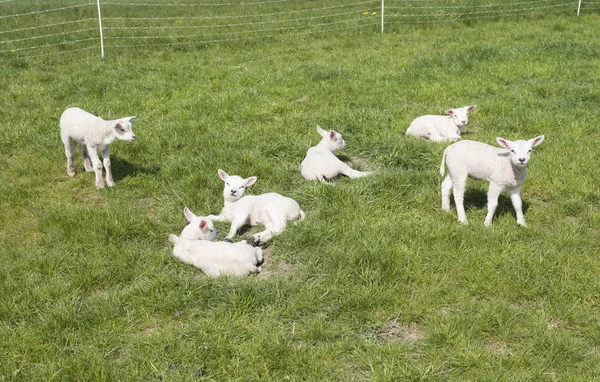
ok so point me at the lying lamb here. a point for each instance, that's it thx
(321, 164)
(194, 246)
(439, 128)
(502, 168)
(92, 133)
(271, 210)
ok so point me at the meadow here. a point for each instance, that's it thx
(378, 283)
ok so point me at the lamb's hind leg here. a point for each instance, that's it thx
(68, 142)
(351, 173)
(458, 188)
(273, 229)
(446, 189)
(87, 162)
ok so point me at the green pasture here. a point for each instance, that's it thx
(378, 283)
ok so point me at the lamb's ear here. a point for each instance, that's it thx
(321, 132)
(332, 134)
(189, 215)
(129, 119)
(536, 141)
(223, 175)
(202, 224)
(250, 181)
(450, 111)
(504, 143)
(469, 108)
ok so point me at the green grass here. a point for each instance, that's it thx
(377, 283)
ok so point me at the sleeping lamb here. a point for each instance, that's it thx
(194, 246)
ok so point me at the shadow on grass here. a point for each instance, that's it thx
(477, 199)
(122, 169)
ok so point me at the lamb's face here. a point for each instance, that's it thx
(331, 139)
(235, 186)
(198, 228)
(460, 115)
(520, 151)
(123, 129)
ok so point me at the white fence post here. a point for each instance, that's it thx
(578, 7)
(100, 26)
(382, 10)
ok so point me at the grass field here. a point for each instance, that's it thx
(378, 283)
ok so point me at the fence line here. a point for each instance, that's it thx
(37, 28)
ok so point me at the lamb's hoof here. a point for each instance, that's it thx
(99, 186)
(464, 222)
(446, 208)
(524, 225)
(253, 241)
(110, 184)
(228, 239)
(71, 173)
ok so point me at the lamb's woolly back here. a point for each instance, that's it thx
(321, 164)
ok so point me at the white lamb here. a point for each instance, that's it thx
(502, 168)
(439, 128)
(194, 246)
(271, 210)
(321, 164)
(92, 134)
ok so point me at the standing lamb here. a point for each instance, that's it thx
(92, 134)
(439, 128)
(195, 246)
(321, 164)
(502, 168)
(271, 210)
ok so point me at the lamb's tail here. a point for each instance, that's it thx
(173, 238)
(443, 166)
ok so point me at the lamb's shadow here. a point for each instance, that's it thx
(122, 169)
(477, 199)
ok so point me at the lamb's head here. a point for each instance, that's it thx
(123, 130)
(198, 228)
(520, 151)
(235, 186)
(460, 115)
(332, 140)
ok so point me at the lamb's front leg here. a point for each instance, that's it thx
(106, 159)
(236, 224)
(217, 218)
(351, 173)
(493, 193)
(515, 197)
(97, 166)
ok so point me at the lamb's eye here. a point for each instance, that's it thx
(513, 151)
(227, 184)
(529, 151)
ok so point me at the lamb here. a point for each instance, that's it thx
(92, 133)
(271, 210)
(502, 168)
(439, 128)
(195, 246)
(321, 164)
